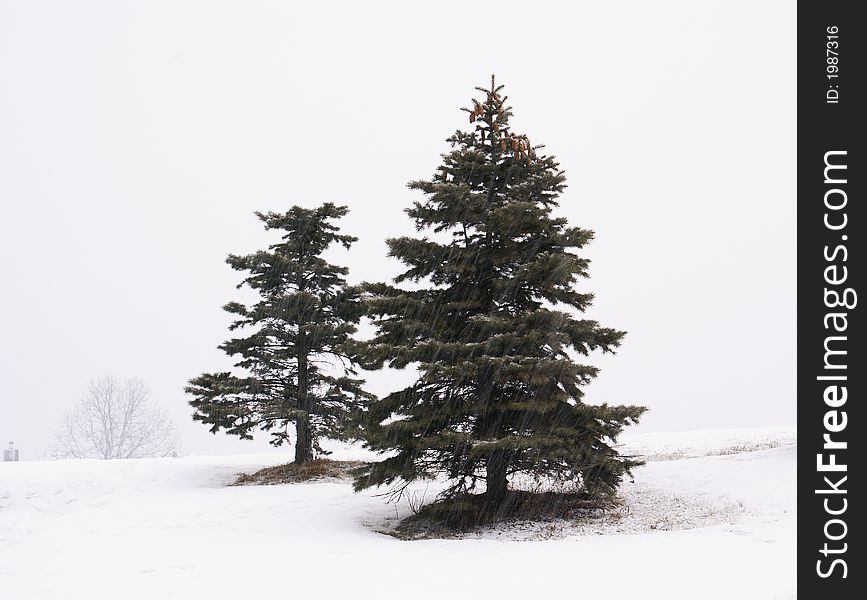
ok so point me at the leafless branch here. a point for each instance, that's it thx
(116, 420)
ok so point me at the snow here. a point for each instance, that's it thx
(719, 523)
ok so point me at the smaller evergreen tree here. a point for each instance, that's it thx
(297, 336)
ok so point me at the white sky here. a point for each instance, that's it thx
(137, 139)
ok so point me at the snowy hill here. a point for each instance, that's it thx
(712, 515)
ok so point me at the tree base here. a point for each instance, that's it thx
(296, 473)
(462, 513)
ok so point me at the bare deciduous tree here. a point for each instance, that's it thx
(116, 420)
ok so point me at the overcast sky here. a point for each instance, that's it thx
(137, 139)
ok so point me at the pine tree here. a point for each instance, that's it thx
(499, 388)
(300, 325)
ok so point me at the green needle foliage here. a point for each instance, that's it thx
(298, 334)
(490, 323)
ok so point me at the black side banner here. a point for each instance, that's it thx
(832, 374)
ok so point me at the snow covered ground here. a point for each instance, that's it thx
(712, 515)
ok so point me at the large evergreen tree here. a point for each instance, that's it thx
(296, 338)
(491, 324)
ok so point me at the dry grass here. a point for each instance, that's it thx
(294, 473)
(751, 446)
(741, 448)
(460, 514)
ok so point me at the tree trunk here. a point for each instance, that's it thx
(304, 441)
(495, 480)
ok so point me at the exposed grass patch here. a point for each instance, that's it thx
(294, 473)
(455, 516)
(741, 448)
